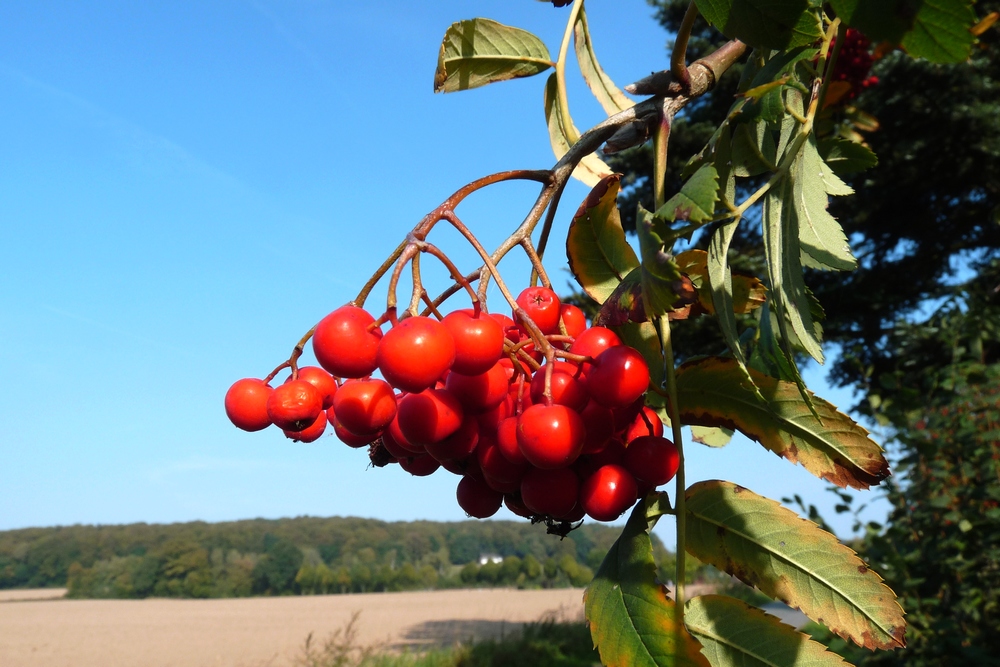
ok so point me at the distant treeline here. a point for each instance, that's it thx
(304, 555)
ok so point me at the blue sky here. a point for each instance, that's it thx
(185, 188)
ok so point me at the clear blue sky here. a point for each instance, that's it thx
(185, 188)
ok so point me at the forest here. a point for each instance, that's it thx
(303, 555)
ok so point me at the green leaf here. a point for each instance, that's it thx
(781, 245)
(767, 355)
(696, 200)
(793, 560)
(481, 51)
(643, 337)
(747, 292)
(660, 277)
(821, 237)
(721, 284)
(604, 89)
(937, 30)
(625, 304)
(713, 391)
(734, 634)
(711, 436)
(599, 256)
(772, 24)
(845, 156)
(754, 152)
(591, 168)
(630, 616)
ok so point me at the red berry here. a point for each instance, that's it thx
(365, 407)
(246, 404)
(542, 305)
(478, 341)
(345, 342)
(567, 389)
(573, 319)
(598, 422)
(550, 436)
(652, 459)
(294, 405)
(477, 499)
(593, 341)
(647, 422)
(507, 441)
(419, 465)
(514, 503)
(320, 379)
(415, 353)
(494, 465)
(459, 444)
(608, 492)
(479, 393)
(310, 433)
(430, 416)
(618, 377)
(551, 492)
(345, 436)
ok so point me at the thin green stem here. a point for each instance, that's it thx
(675, 425)
(660, 143)
(678, 58)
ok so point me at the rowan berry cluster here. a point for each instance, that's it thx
(553, 433)
(854, 64)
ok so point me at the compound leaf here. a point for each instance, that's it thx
(630, 616)
(715, 391)
(821, 237)
(599, 256)
(604, 89)
(734, 634)
(793, 560)
(481, 51)
(591, 168)
(772, 24)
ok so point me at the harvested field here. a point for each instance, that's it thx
(21, 594)
(254, 632)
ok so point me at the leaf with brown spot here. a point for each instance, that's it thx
(792, 560)
(714, 391)
(598, 254)
(630, 616)
(748, 293)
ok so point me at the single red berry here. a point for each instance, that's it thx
(320, 379)
(397, 433)
(494, 465)
(550, 492)
(508, 326)
(593, 341)
(573, 319)
(430, 416)
(567, 387)
(514, 503)
(310, 433)
(479, 393)
(507, 441)
(459, 444)
(365, 407)
(294, 405)
(415, 353)
(345, 342)
(420, 465)
(652, 459)
(345, 436)
(607, 493)
(246, 404)
(598, 422)
(574, 514)
(550, 436)
(477, 499)
(478, 341)
(542, 305)
(647, 422)
(618, 377)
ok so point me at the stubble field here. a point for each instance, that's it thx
(253, 632)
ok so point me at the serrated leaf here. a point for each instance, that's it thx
(793, 560)
(754, 152)
(713, 391)
(599, 256)
(767, 356)
(784, 264)
(481, 51)
(938, 30)
(773, 24)
(845, 156)
(820, 235)
(643, 337)
(660, 277)
(723, 159)
(711, 436)
(746, 292)
(591, 168)
(604, 89)
(630, 616)
(734, 634)
(696, 200)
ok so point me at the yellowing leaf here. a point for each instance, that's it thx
(480, 51)
(713, 391)
(598, 254)
(793, 560)
(591, 168)
(748, 292)
(604, 89)
(711, 436)
(630, 616)
(734, 634)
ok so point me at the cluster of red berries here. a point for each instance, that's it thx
(854, 64)
(552, 439)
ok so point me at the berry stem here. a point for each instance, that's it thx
(536, 263)
(293, 359)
